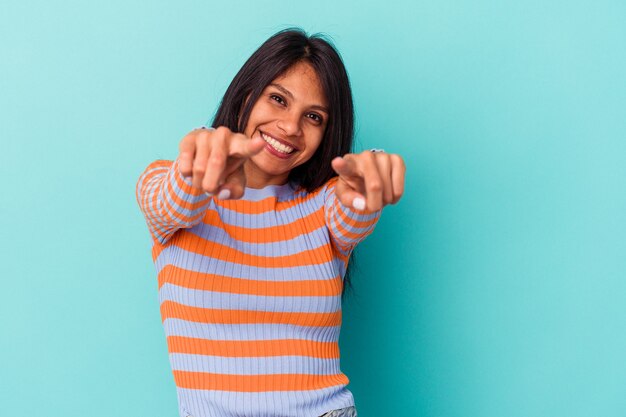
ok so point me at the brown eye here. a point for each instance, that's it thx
(277, 98)
(315, 117)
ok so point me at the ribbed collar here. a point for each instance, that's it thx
(281, 192)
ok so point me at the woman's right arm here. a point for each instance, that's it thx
(173, 195)
(168, 200)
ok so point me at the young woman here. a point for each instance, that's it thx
(252, 228)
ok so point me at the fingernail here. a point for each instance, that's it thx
(358, 203)
(224, 194)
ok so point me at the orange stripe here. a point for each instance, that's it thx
(160, 177)
(147, 205)
(221, 283)
(253, 348)
(157, 248)
(256, 383)
(345, 231)
(186, 189)
(190, 242)
(313, 221)
(173, 310)
(189, 189)
(343, 258)
(159, 163)
(354, 222)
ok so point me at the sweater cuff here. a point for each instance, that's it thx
(184, 184)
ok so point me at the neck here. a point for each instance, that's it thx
(258, 179)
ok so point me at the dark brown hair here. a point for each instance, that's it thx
(271, 60)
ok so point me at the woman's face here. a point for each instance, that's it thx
(290, 116)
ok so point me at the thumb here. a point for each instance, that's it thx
(348, 196)
(234, 185)
(255, 146)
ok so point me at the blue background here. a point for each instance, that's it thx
(496, 287)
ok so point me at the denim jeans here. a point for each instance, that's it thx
(342, 412)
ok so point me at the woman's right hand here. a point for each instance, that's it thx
(214, 158)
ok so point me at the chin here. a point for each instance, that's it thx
(269, 167)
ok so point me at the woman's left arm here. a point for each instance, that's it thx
(369, 180)
(354, 200)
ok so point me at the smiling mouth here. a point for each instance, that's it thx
(276, 145)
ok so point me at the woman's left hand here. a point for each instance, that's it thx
(369, 180)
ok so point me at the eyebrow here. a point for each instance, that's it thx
(288, 94)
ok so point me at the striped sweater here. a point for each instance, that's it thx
(250, 293)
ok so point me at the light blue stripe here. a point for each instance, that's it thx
(141, 183)
(254, 366)
(306, 241)
(281, 192)
(230, 301)
(186, 212)
(154, 219)
(345, 229)
(340, 229)
(353, 215)
(146, 173)
(161, 229)
(210, 403)
(273, 331)
(200, 263)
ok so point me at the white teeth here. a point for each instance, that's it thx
(276, 144)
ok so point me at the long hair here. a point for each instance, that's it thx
(271, 60)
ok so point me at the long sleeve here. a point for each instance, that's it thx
(168, 200)
(347, 225)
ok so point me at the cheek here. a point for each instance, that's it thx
(258, 115)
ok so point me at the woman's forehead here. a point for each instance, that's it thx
(301, 82)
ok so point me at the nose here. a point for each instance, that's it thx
(289, 123)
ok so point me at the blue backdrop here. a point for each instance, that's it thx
(496, 287)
